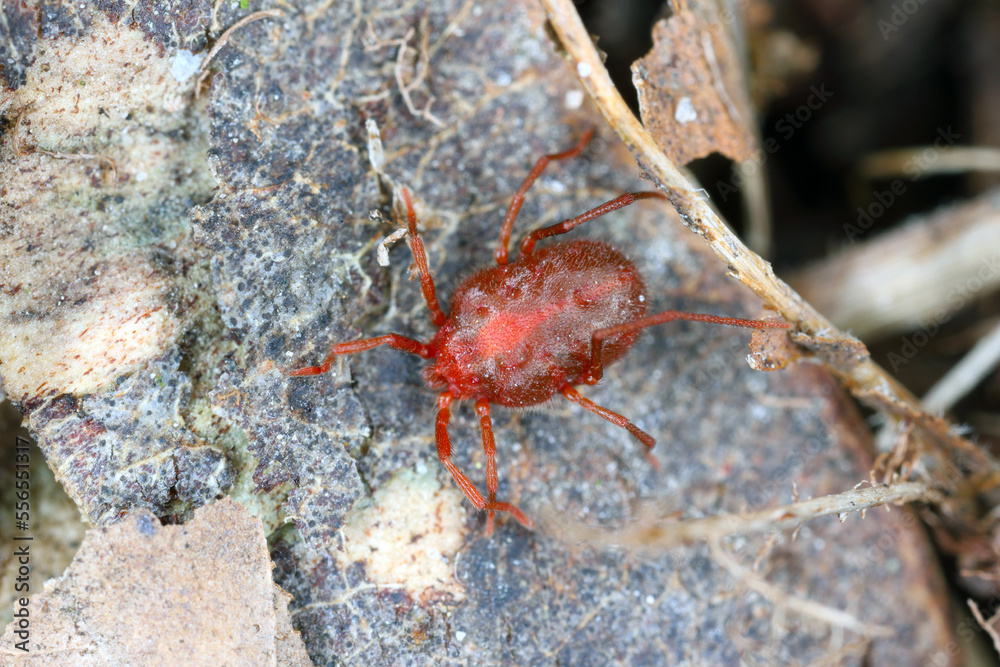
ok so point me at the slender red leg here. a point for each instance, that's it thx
(528, 244)
(392, 340)
(597, 338)
(515, 203)
(490, 449)
(572, 394)
(444, 453)
(420, 257)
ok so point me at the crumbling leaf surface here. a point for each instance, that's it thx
(101, 162)
(692, 89)
(140, 593)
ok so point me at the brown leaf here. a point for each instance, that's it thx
(692, 95)
(772, 349)
(142, 593)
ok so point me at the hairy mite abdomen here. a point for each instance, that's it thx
(519, 332)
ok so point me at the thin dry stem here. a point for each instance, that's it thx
(911, 162)
(781, 599)
(986, 625)
(256, 16)
(421, 67)
(915, 276)
(665, 535)
(863, 377)
(966, 374)
(111, 164)
(420, 64)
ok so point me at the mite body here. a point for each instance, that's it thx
(520, 332)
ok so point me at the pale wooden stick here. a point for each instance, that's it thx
(665, 535)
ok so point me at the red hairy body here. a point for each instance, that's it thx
(521, 332)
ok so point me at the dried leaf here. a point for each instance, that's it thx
(772, 349)
(692, 93)
(207, 583)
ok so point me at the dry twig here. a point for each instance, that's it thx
(256, 16)
(966, 374)
(420, 67)
(781, 599)
(665, 535)
(111, 164)
(947, 160)
(915, 276)
(986, 625)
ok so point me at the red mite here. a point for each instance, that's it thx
(520, 332)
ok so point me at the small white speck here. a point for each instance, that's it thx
(685, 112)
(574, 99)
(141, 176)
(184, 65)
(421, 468)
(555, 187)
(503, 79)
(460, 636)
(583, 69)
(650, 599)
(642, 298)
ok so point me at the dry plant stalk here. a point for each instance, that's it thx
(671, 534)
(865, 379)
(104, 160)
(924, 271)
(250, 18)
(782, 600)
(986, 624)
(966, 374)
(953, 160)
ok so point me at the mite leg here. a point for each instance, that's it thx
(515, 203)
(392, 340)
(490, 449)
(420, 258)
(444, 453)
(528, 244)
(596, 371)
(576, 397)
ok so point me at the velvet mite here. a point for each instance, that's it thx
(521, 331)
